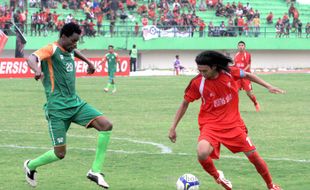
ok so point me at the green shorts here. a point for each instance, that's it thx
(59, 121)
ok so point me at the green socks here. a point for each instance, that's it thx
(49, 156)
(108, 85)
(102, 145)
(114, 86)
(45, 158)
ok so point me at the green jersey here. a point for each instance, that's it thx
(112, 59)
(59, 77)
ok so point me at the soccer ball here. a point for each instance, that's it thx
(187, 182)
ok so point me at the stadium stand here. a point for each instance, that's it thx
(131, 27)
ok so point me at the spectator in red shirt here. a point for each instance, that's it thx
(219, 119)
(142, 9)
(99, 22)
(137, 29)
(92, 28)
(193, 4)
(55, 17)
(202, 27)
(291, 10)
(151, 14)
(240, 24)
(269, 18)
(285, 18)
(131, 4)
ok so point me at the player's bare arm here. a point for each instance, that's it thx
(178, 116)
(103, 60)
(32, 62)
(263, 83)
(79, 55)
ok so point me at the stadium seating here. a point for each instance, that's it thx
(278, 7)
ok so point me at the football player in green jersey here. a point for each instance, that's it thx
(63, 105)
(112, 59)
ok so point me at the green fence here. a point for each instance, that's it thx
(191, 43)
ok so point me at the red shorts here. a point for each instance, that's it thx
(235, 139)
(244, 84)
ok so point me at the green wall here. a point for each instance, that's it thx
(174, 43)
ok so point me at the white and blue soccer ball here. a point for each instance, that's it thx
(188, 182)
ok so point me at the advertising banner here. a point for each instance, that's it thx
(18, 68)
(151, 31)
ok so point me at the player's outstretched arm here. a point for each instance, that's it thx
(79, 55)
(258, 80)
(103, 60)
(32, 62)
(178, 116)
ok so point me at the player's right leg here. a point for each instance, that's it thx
(31, 175)
(104, 128)
(57, 130)
(30, 166)
(203, 152)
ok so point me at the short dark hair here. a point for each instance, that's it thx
(241, 42)
(70, 28)
(111, 46)
(214, 58)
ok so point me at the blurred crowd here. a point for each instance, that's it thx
(240, 19)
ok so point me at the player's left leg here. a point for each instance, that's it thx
(254, 100)
(108, 86)
(112, 81)
(262, 169)
(113, 86)
(247, 86)
(91, 118)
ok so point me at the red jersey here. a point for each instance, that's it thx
(243, 59)
(219, 99)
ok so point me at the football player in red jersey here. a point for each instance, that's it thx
(242, 60)
(219, 118)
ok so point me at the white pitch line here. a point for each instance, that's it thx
(149, 153)
(164, 149)
(73, 148)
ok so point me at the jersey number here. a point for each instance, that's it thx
(69, 67)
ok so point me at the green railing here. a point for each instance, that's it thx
(124, 30)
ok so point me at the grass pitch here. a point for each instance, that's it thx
(138, 157)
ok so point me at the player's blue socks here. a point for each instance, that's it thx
(102, 145)
(45, 158)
